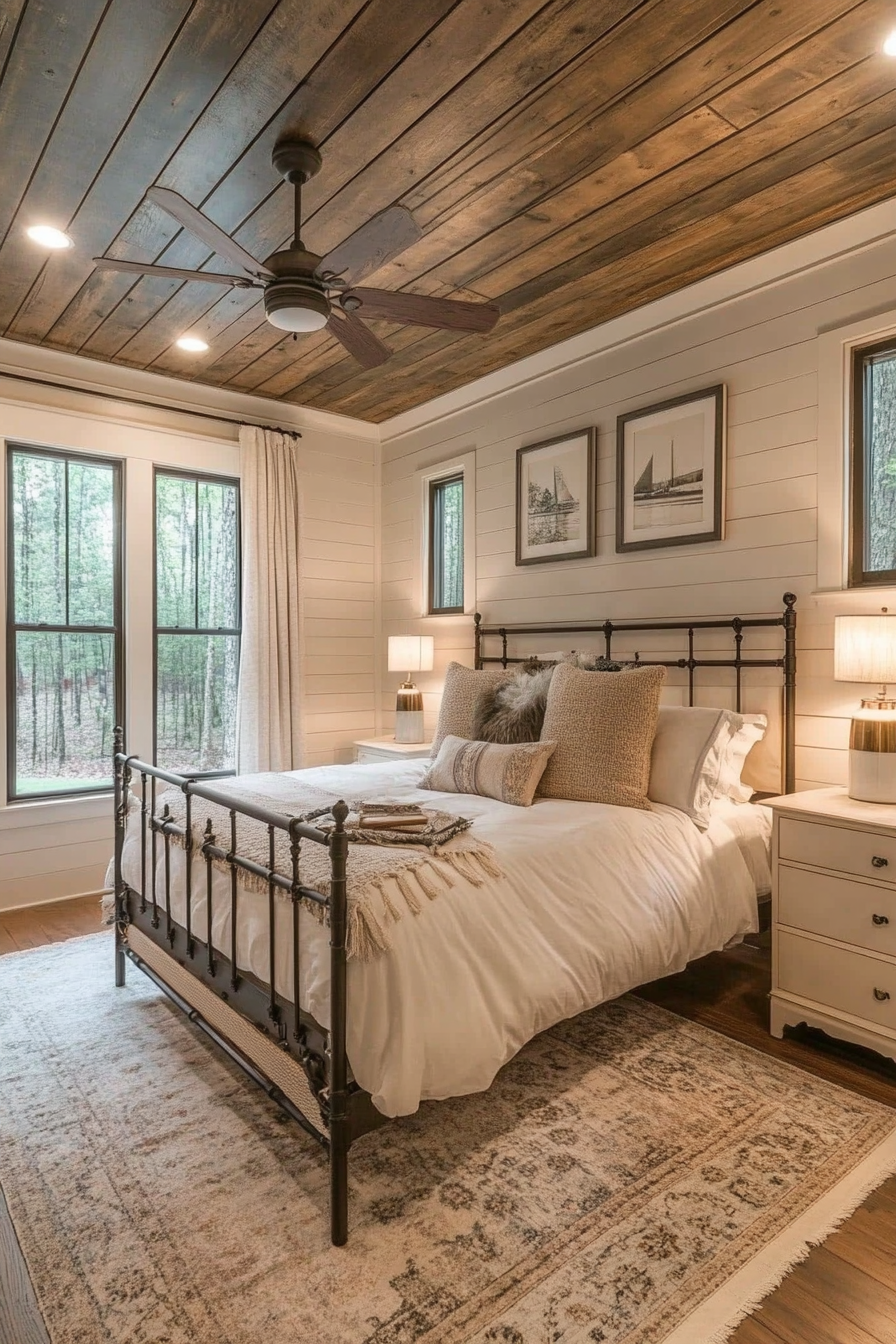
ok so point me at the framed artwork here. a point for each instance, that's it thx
(555, 499)
(670, 472)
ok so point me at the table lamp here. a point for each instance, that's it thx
(410, 653)
(865, 650)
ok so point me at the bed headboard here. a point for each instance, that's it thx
(690, 636)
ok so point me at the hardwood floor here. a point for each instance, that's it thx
(843, 1293)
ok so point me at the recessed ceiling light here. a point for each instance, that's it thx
(890, 44)
(195, 344)
(47, 236)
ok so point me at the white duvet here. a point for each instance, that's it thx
(594, 901)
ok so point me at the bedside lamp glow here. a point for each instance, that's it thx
(409, 653)
(865, 651)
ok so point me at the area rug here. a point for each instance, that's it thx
(630, 1178)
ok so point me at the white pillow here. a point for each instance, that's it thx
(698, 755)
(751, 730)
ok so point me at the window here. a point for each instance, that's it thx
(64, 641)
(446, 545)
(872, 548)
(197, 622)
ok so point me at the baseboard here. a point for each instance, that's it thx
(51, 900)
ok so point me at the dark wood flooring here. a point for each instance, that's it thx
(844, 1293)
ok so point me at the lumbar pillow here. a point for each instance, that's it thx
(513, 711)
(463, 687)
(508, 773)
(603, 724)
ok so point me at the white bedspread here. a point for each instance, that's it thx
(595, 900)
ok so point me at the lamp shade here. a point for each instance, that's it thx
(865, 648)
(410, 653)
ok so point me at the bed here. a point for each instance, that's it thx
(468, 980)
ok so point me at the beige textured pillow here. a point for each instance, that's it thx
(603, 724)
(508, 773)
(463, 687)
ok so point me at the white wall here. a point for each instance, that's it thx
(60, 848)
(757, 330)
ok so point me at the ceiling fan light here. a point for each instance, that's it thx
(890, 44)
(195, 344)
(47, 236)
(296, 305)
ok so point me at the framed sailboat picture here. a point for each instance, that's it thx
(670, 472)
(555, 499)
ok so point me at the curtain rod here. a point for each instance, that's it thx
(141, 401)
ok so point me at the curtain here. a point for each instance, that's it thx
(268, 703)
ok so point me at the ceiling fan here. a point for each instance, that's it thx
(304, 292)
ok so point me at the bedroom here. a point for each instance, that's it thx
(661, 200)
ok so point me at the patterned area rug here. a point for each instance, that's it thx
(630, 1178)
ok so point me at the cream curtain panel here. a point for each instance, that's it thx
(268, 706)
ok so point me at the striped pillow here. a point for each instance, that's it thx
(509, 773)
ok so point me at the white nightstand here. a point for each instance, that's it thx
(834, 917)
(387, 749)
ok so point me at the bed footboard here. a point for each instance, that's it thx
(301, 1065)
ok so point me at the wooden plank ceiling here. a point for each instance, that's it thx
(570, 160)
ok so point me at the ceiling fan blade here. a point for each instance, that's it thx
(421, 310)
(203, 228)
(375, 243)
(175, 273)
(358, 340)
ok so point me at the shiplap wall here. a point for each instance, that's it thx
(338, 549)
(55, 849)
(764, 346)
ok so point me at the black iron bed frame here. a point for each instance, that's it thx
(319, 1055)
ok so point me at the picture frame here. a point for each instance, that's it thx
(555, 499)
(670, 472)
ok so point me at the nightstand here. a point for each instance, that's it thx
(834, 917)
(387, 749)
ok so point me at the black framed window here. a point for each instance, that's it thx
(65, 656)
(446, 545)
(872, 542)
(197, 621)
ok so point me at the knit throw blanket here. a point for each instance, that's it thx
(389, 872)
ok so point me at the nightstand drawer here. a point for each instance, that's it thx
(846, 981)
(835, 907)
(859, 853)
(365, 755)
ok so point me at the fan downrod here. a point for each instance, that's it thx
(296, 160)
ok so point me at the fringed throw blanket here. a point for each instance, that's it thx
(388, 871)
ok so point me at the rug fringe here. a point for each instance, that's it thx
(795, 1242)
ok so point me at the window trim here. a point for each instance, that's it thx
(857, 575)
(434, 484)
(199, 478)
(119, 680)
(460, 464)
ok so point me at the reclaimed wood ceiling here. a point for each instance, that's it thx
(570, 160)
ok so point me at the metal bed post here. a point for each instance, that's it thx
(339, 1132)
(789, 622)
(120, 774)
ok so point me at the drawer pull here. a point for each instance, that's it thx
(881, 995)
(878, 862)
(879, 919)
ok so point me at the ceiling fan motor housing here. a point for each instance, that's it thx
(296, 300)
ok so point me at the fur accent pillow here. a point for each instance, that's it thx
(489, 769)
(514, 711)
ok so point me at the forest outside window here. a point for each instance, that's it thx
(197, 622)
(446, 545)
(65, 672)
(872, 548)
